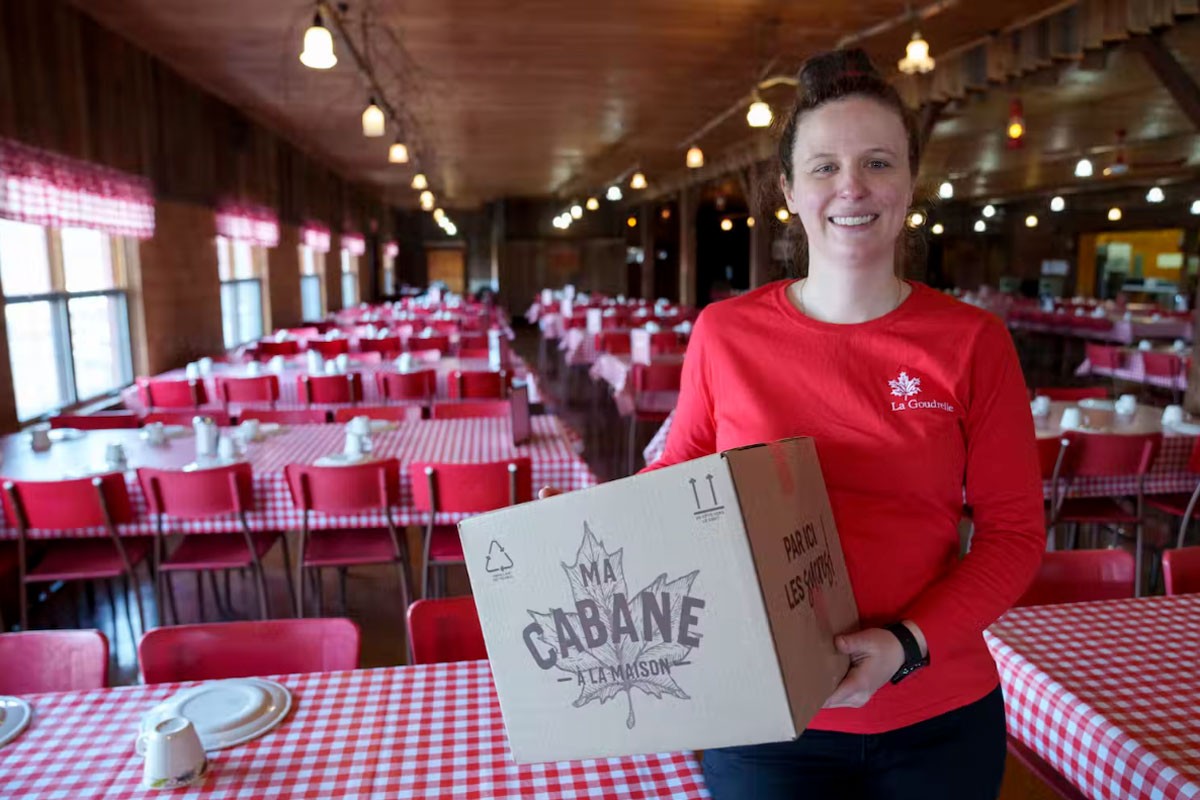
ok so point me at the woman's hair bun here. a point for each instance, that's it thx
(830, 75)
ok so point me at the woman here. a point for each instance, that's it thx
(916, 403)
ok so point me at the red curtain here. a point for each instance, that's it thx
(248, 223)
(316, 236)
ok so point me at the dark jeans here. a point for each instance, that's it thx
(958, 756)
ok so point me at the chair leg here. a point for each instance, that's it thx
(1137, 561)
(300, 576)
(131, 586)
(264, 611)
(24, 602)
(171, 598)
(319, 591)
(112, 604)
(342, 591)
(287, 569)
(200, 595)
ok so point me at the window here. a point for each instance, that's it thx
(66, 314)
(388, 266)
(241, 266)
(349, 279)
(312, 289)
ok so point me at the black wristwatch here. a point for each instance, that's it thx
(913, 660)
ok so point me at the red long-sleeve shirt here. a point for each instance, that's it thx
(912, 413)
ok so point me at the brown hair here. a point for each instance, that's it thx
(837, 75)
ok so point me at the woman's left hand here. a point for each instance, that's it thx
(875, 656)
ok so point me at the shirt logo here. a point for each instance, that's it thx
(906, 388)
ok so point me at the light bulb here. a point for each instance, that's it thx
(1114, 214)
(1083, 169)
(695, 157)
(989, 211)
(426, 200)
(631, 222)
(1057, 203)
(749, 222)
(665, 213)
(1155, 195)
(419, 182)
(1195, 207)
(916, 56)
(938, 229)
(638, 181)
(980, 226)
(439, 215)
(614, 193)
(916, 219)
(782, 215)
(592, 204)
(727, 224)
(373, 121)
(577, 211)
(946, 190)
(1015, 130)
(398, 153)
(1031, 221)
(318, 46)
(759, 114)
(451, 229)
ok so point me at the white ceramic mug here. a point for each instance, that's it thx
(173, 753)
(1040, 406)
(343, 362)
(114, 455)
(1145, 344)
(1126, 404)
(354, 445)
(39, 437)
(250, 431)
(226, 448)
(1072, 418)
(206, 366)
(253, 369)
(155, 433)
(1172, 414)
(360, 425)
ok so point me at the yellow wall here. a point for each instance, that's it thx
(1148, 245)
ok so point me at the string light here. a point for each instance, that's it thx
(631, 222)
(916, 56)
(419, 182)
(695, 157)
(916, 219)
(1195, 207)
(1057, 204)
(577, 211)
(318, 45)
(592, 204)
(980, 226)
(749, 222)
(373, 121)
(989, 211)
(398, 153)
(1155, 195)
(427, 200)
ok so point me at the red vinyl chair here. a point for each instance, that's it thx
(439, 342)
(325, 389)
(650, 381)
(468, 409)
(1071, 394)
(420, 385)
(173, 393)
(1181, 570)
(97, 421)
(221, 492)
(1181, 504)
(370, 488)
(462, 489)
(246, 649)
(221, 418)
(445, 630)
(615, 343)
(269, 348)
(399, 413)
(53, 661)
(296, 416)
(99, 502)
(387, 346)
(1167, 367)
(1100, 455)
(474, 352)
(330, 348)
(255, 389)
(472, 341)
(1076, 576)
(664, 342)
(478, 385)
(1104, 356)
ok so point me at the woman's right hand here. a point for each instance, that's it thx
(548, 491)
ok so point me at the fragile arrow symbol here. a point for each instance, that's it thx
(692, 481)
(711, 489)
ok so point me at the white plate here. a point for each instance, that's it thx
(66, 434)
(1096, 403)
(340, 460)
(15, 714)
(269, 427)
(1186, 428)
(209, 463)
(381, 425)
(228, 712)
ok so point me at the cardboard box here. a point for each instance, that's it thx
(690, 607)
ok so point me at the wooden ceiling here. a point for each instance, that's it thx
(533, 97)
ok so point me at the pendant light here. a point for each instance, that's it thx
(419, 183)
(1083, 169)
(614, 193)
(638, 181)
(695, 157)
(426, 200)
(946, 190)
(318, 45)
(759, 114)
(398, 153)
(577, 211)
(592, 204)
(1057, 204)
(373, 121)
(916, 56)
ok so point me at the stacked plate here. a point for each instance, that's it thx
(15, 714)
(226, 713)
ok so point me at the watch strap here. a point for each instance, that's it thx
(913, 660)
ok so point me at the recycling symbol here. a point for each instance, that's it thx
(497, 559)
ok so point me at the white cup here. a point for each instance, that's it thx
(1126, 404)
(253, 368)
(173, 753)
(1172, 414)
(1145, 344)
(1072, 418)
(39, 437)
(331, 368)
(205, 365)
(277, 363)
(155, 433)
(354, 445)
(1040, 406)
(114, 456)
(1179, 345)
(192, 371)
(404, 362)
(343, 362)
(250, 430)
(226, 449)
(360, 425)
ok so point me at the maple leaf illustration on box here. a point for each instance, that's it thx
(624, 642)
(905, 386)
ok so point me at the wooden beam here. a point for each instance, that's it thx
(930, 113)
(687, 245)
(648, 251)
(1175, 79)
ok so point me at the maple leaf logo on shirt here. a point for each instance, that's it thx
(615, 642)
(905, 386)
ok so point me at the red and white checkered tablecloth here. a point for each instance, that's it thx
(578, 346)
(551, 325)
(430, 731)
(1133, 372)
(658, 444)
(554, 450)
(1107, 693)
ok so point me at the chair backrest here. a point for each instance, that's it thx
(1104, 356)
(664, 342)
(463, 409)
(241, 649)
(474, 352)
(390, 413)
(96, 421)
(269, 348)
(254, 389)
(657, 377)
(445, 630)
(371, 486)
(419, 385)
(68, 504)
(387, 345)
(330, 388)
(1076, 576)
(471, 488)
(478, 385)
(221, 418)
(1162, 365)
(1181, 570)
(613, 342)
(439, 342)
(201, 493)
(53, 661)
(291, 416)
(1108, 454)
(1048, 453)
(330, 348)
(175, 393)
(472, 341)
(1071, 394)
